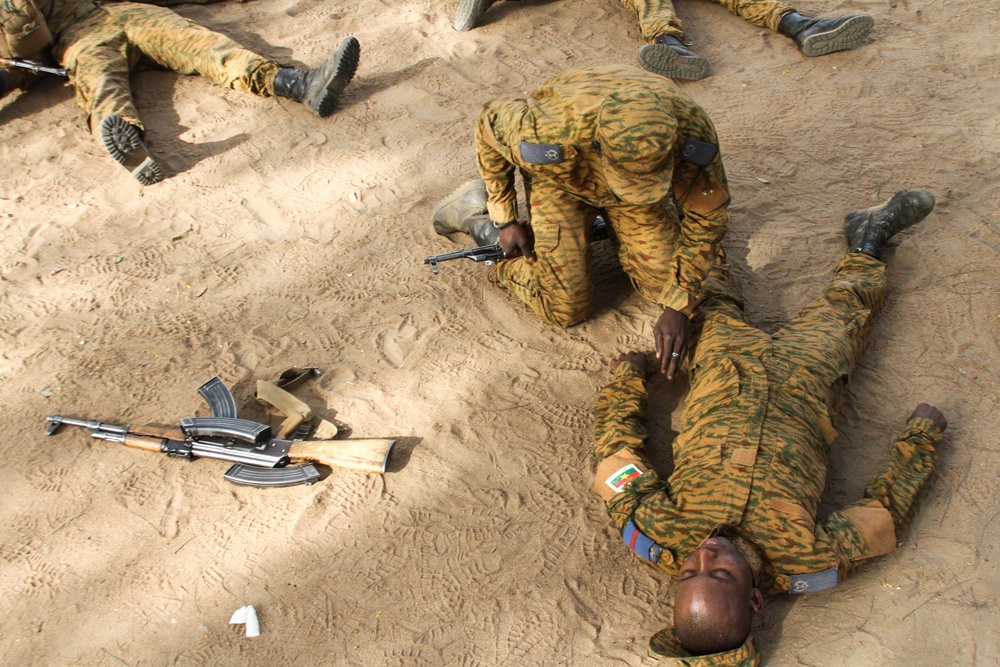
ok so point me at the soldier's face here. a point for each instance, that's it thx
(715, 583)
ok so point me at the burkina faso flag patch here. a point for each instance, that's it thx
(622, 476)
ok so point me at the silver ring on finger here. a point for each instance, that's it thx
(675, 354)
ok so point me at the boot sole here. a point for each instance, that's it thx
(451, 198)
(123, 142)
(663, 60)
(845, 36)
(911, 206)
(469, 12)
(346, 58)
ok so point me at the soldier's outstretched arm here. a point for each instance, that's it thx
(911, 463)
(621, 407)
(872, 526)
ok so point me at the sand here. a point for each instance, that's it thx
(285, 240)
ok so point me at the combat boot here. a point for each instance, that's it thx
(868, 229)
(668, 57)
(320, 87)
(818, 37)
(464, 210)
(469, 12)
(123, 141)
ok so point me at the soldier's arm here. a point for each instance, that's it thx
(703, 195)
(872, 526)
(496, 170)
(621, 408)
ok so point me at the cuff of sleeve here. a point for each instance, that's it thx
(677, 299)
(502, 213)
(627, 369)
(926, 426)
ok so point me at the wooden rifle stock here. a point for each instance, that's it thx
(368, 455)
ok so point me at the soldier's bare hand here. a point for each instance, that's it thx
(638, 359)
(517, 239)
(671, 335)
(932, 413)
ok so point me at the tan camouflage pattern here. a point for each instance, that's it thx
(101, 43)
(657, 17)
(664, 643)
(751, 458)
(665, 259)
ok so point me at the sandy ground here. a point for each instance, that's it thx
(287, 240)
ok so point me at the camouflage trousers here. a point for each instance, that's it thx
(825, 340)
(657, 17)
(559, 286)
(102, 48)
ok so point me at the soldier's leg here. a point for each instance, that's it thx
(179, 44)
(815, 37)
(648, 236)
(99, 60)
(761, 13)
(665, 53)
(656, 17)
(829, 335)
(558, 286)
(96, 53)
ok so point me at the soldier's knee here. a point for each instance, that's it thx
(565, 315)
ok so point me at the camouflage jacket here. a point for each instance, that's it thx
(564, 111)
(748, 462)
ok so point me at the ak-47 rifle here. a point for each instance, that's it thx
(34, 67)
(259, 458)
(488, 254)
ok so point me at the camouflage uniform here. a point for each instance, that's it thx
(666, 259)
(657, 17)
(101, 42)
(751, 458)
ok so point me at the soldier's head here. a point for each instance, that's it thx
(635, 135)
(715, 599)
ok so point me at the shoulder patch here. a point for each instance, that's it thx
(697, 152)
(814, 581)
(541, 153)
(642, 545)
(622, 476)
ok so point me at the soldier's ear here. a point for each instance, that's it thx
(756, 600)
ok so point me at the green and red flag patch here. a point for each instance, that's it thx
(623, 476)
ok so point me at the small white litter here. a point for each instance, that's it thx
(247, 615)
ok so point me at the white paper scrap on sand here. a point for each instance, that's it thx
(247, 615)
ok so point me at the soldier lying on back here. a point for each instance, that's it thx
(736, 520)
(665, 53)
(612, 140)
(100, 43)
